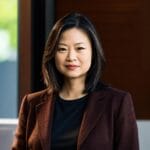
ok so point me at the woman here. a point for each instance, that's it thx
(76, 111)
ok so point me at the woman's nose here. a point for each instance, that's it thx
(71, 56)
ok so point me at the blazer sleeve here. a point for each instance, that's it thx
(126, 131)
(19, 141)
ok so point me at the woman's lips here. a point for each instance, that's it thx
(72, 67)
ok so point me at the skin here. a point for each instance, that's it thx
(73, 60)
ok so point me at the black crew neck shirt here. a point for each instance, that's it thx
(66, 123)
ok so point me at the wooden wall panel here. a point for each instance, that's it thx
(25, 46)
(31, 45)
(125, 32)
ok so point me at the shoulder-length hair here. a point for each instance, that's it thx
(52, 78)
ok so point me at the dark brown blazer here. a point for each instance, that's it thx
(108, 123)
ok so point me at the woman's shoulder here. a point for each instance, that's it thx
(111, 90)
(115, 96)
(116, 91)
(38, 96)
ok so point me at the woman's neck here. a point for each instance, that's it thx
(72, 89)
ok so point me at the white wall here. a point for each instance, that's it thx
(144, 134)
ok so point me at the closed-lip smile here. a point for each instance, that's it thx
(71, 66)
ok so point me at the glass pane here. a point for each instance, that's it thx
(8, 58)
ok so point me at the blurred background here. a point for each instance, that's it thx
(123, 27)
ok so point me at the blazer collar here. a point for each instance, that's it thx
(44, 114)
(93, 112)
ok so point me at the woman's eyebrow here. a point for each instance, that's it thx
(79, 43)
(62, 44)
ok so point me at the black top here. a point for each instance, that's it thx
(66, 123)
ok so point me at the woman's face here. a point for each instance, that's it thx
(74, 54)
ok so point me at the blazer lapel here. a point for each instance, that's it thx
(44, 113)
(92, 114)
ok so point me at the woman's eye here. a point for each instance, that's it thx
(80, 48)
(62, 49)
